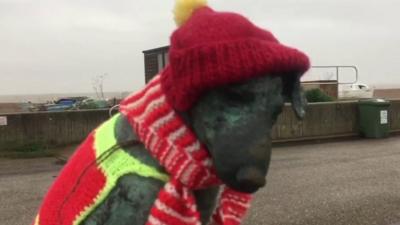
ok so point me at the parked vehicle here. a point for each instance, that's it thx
(93, 104)
(356, 91)
(63, 104)
(75, 103)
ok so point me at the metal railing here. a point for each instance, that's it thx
(110, 111)
(337, 69)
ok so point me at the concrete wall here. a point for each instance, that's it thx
(48, 129)
(326, 120)
(323, 120)
(395, 115)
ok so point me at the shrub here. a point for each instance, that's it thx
(317, 95)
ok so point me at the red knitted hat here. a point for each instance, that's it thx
(212, 49)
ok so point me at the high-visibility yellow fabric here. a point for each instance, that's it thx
(118, 164)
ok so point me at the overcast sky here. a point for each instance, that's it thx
(53, 46)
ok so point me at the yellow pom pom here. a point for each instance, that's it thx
(185, 8)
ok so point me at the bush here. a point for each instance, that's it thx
(317, 95)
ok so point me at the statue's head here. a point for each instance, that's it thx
(230, 79)
(235, 123)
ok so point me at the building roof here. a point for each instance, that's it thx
(154, 50)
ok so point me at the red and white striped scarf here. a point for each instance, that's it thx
(187, 161)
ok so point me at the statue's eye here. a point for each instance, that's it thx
(239, 96)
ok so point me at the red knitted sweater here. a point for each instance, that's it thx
(89, 176)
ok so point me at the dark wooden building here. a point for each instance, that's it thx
(154, 61)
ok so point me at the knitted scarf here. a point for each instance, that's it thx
(187, 161)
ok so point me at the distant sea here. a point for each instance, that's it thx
(43, 98)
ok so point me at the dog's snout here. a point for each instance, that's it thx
(251, 177)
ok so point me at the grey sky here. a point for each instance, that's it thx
(52, 46)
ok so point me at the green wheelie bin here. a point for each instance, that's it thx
(374, 118)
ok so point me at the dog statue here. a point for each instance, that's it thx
(195, 143)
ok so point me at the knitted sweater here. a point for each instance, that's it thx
(89, 177)
(95, 168)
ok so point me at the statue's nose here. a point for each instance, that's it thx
(251, 176)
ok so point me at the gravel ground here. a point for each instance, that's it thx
(340, 183)
(344, 183)
(23, 183)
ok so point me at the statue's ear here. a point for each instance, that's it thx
(293, 92)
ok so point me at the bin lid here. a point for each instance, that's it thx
(377, 102)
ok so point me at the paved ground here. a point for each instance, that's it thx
(22, 186)
(341, 183)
